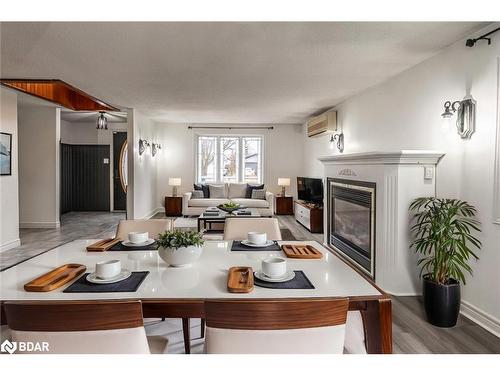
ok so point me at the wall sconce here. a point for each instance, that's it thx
(102, 121)
(339, 138)
(466, 115)
(142, 146)
(154, 148)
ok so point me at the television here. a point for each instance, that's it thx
(310, 189)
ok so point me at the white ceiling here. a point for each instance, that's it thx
(223, 72)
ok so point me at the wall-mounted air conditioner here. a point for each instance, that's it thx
(324, 123)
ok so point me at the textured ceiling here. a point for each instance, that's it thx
(222, 72)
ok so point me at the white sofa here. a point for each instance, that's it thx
(195, 207)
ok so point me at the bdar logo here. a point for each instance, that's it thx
(8, 347)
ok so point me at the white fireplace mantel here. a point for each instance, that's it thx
(400, 177)
(377, 157)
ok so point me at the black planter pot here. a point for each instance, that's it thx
(442, 302)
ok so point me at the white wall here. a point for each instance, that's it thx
(404, 113)
(141, 190)
(9, 190)
(282, 154)
(39, 166)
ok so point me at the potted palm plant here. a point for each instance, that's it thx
(443, 231)
(180, 248)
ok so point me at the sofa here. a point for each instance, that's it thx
(232, 192)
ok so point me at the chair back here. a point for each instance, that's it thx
(79, 327)
(276, 327)
(237, 228)
(153, 226)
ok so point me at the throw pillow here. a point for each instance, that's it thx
(258, 194)
(237, 190)
(217, 191)
(204, 188)
(251, 187)
(197, 194)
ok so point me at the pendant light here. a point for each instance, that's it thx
(102, 121)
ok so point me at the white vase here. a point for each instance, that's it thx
(180, 257)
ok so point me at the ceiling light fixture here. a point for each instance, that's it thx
(472, 42)
(102, 121)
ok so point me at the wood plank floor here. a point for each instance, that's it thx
(411, 332)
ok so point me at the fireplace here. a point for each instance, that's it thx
(351, 221)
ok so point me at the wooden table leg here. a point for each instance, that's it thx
(202, 327)
(187, 339)
(378, 326)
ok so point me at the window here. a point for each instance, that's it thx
(229, 159)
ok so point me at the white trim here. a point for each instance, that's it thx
(376, 157)
(153, 213)
(481, 318)
(10, 245)
(496, 180)
(40, 225)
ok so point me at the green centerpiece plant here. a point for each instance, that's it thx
(180, 248)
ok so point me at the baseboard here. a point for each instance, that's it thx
(153, 213)
(39, 225)
(10, 245)
(480, 317)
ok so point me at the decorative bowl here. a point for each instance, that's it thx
(180, 257)
(229, 209)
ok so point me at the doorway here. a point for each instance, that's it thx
(85, 173)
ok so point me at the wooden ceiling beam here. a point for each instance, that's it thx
(59, 92)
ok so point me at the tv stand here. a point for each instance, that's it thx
(309, 215)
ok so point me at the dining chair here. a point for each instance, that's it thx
(355, 342)
(80, 327)
(276, 326)
(153, 226)
(237, 228)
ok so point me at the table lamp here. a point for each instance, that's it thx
(283, 182)
(174, 181)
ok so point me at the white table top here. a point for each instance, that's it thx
(204, 279)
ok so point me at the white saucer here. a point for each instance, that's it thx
(251, 244)
(92, 278)
(145, 243)
(287, 277)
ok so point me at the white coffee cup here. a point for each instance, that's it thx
(108, 269)
(257, 238)
(274, 267)
(138, 237)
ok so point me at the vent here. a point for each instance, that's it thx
(324, 123)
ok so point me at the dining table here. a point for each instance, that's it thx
(180, 292)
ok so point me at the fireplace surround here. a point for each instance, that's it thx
(396, 178)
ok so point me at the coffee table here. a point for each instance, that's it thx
(221, 217)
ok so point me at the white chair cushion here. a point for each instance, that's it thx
(237, 190)
(320, 340)
(114, 341)
(354, 334)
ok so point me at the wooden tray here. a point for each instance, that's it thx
(103, 245)
(55, 278)
(301, 252)
(240, 280)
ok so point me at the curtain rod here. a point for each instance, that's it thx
(232, 127)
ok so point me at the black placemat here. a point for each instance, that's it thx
(120, 247)
(238, 246)
(300, 281)
(128, 285)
